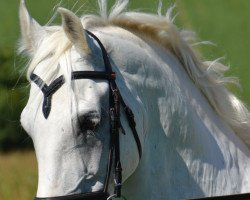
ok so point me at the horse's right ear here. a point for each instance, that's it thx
(73, 28)
(30, 30)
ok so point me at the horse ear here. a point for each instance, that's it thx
(74, 30)
(30, 29)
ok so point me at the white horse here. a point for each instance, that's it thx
(194, 132)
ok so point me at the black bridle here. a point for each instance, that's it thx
(115, 102)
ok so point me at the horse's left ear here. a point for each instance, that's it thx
(74, 30)
(30, 29)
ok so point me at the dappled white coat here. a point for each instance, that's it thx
(181, 107)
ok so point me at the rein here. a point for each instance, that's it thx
(245, 196)
(115, 103)
(87, 196)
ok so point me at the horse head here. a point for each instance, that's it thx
(68, 116)
(125, 93)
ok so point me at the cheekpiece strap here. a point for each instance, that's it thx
(115, 102)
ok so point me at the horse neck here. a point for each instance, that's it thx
(188, 149)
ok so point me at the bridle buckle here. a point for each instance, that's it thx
(112, 76)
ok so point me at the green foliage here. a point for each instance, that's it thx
(11, 102)
(226, 24)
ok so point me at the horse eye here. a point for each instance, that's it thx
(89, 121)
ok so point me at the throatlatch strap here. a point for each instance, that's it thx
(48, 91)
(85, 196)
(132, 125)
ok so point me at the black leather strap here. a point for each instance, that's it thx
(115, 101)
(48, 91)
(84, 196)
(114, 105)
(245, 196)
(132, 125)
(105, 56)
(115, 135)
(92, 75)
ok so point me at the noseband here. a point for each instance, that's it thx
(115, 102)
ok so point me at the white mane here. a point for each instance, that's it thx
(208, 76)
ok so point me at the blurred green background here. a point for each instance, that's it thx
(226, 23)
